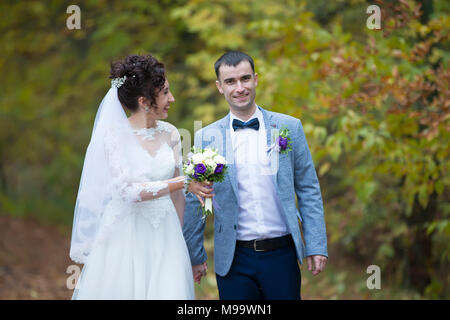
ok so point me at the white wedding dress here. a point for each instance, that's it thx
(140, 251)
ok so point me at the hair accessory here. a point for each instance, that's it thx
(118, 82)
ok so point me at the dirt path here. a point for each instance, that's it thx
(33, 260)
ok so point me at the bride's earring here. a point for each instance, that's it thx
(147, 109)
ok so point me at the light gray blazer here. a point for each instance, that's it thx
(296, 176)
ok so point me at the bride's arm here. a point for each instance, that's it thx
(155, 189)
(178, 200)
(125, 184)
(178, 197)
(144, 191)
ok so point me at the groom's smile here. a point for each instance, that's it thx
(243, 97)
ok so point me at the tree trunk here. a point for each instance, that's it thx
(3, 182)
(419, 264)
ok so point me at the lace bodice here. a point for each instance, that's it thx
(154, 160)
(163, 160)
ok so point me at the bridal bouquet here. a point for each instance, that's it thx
(205, 165)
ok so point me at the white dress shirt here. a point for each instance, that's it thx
(260, 212)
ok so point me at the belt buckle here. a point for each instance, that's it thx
(254, 246)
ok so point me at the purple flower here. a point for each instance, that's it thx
(219, 168)
(282, 142)
(200, 168)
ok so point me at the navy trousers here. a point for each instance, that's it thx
(267, 275)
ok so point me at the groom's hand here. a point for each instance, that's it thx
(199, 271)
(316, 264)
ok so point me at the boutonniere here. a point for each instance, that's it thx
(282, 142)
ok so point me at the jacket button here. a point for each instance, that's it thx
(234, 227)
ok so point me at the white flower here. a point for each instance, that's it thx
(210, 163)
(209, 153)
(189, 169)
(219, 159)
(198, 158)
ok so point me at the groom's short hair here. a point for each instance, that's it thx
(233, 58)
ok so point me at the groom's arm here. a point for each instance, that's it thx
(194, 227)
(309, 196)
(193, 230)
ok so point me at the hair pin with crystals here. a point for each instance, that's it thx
(118, 82)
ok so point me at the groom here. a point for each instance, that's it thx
(257, 238)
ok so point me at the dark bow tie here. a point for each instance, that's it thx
(253, 124)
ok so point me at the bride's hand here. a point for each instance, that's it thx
(201, 190)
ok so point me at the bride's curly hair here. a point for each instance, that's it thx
(145, 78)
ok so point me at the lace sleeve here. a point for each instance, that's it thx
(178, 197)
(124, 183)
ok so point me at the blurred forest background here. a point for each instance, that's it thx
(374, 105)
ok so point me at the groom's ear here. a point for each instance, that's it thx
(219, 87)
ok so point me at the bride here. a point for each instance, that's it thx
(127, 228)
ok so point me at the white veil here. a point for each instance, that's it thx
(97, 178)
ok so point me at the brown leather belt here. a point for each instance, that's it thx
(266, 244)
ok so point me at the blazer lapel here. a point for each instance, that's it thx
(228, 153)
